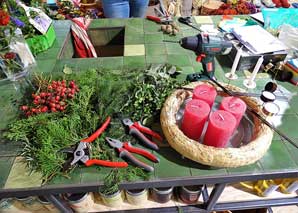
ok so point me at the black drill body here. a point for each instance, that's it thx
(206, 47)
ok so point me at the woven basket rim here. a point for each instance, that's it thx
(209, 155)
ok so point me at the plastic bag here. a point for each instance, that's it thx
(289, 36)
(274, 18)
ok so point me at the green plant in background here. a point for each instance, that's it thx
(137, 94)
(116, 176)
(151, 90)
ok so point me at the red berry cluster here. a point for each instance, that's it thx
(53, 99)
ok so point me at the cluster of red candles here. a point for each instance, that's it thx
(221, 123)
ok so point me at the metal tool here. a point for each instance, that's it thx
(187, 21)
(135, 129)
(125, 149)
(206, 47)
(81, 152)
(162, 15)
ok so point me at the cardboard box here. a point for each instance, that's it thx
(248, 60)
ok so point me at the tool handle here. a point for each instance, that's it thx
(153, 18)
(135, 132)
(125, 154)
(106, 163)
(147, 131)
(98, 132)
(139, 151)
(208, 65)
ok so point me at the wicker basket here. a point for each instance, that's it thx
(209, 155)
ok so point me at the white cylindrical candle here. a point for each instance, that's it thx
(256, 69)
(236, 61)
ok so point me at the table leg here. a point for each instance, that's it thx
(216, 192)
(58, 203)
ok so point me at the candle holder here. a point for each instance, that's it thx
(249, 84)
(231, 76)
(258, 135)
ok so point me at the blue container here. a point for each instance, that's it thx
(124, 8)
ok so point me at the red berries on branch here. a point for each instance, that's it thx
(54, 99)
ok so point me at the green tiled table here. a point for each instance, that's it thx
(143, 46)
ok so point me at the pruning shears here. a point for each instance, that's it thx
(125, 149)
(81, 153)
(136, 129)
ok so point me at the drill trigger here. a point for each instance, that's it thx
(200, 57)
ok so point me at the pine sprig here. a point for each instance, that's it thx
(103, 93)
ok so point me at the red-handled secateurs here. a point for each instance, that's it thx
(162, 15)
(81, 152)
(135, 129)
(125, 149)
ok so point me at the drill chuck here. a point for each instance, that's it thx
(190, 43)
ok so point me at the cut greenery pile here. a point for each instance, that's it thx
(137, 94)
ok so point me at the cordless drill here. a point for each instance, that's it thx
(206, 47)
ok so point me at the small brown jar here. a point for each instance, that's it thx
(189, 194)
(162, 194)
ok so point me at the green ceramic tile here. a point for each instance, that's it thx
(67, 50)
(134, 50)
(168, 37)
(73, 178)
(154, 38)
(189, 32)
(130, 39)
(115, 22)
(9, 147)
(46, 65)
(5, 166)
(184, 72)
(171, 164)
(160, 59)
(112, 62)
(155, 49)
(277, 158)
(58, 42)
(151, 26)
(174, 49)
(9, 115)
(294, 103)
(252, 168)
(8, 94)
(179, 60)
(203, 20)
(289, 125)
(51, 53)
(95, 23)
(21, 177)
(197, 67)
(61, 24)
(292, 149)
(203, 170)
(60, 64)
(84, 64)
(94, 174)
(134, 62)
(62, 33)
(135, 22)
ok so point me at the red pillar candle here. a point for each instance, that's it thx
(206, 93)
(235, 106)
(220, 128)
(195, 115)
